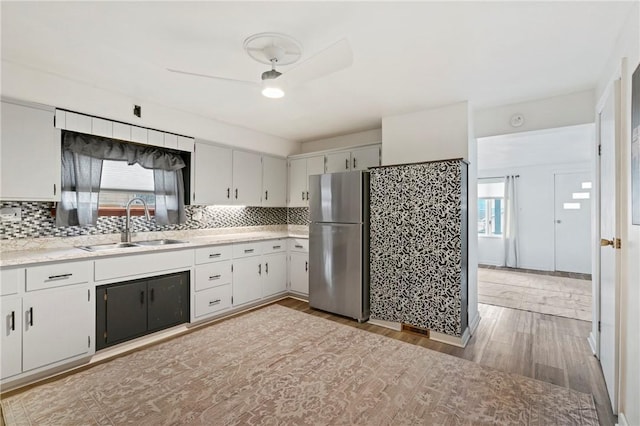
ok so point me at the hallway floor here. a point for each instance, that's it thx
(545, 294)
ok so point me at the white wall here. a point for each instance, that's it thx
(31, 85)
(344, 141)
(536, 215)
(558, 111)
(627, 45)
(439, 134)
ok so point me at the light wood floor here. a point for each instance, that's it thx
(545, 347)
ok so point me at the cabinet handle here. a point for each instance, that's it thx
(59, 277)
(298, 246)
(302, 195)
(266, 267)
(266, 195)
(354, 162)
(306, 266)
(236, 193)
(346, 163)
(214, 302)
(214, 255)
(142, 297)
(259, 268)
(13, 320)
(307, 195)
(276, 247)
(228, 192)
(31, 316)
(152, 293)
(54, 189)
(214, 277)
(248, 251)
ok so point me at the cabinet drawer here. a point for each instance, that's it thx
(130, 266)
(299, 244)
(213, 300)
(213, 275)
(213, 254)
(9, 279)
(274, 246)
(57, 275)
(247, 249)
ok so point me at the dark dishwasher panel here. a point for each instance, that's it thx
(168, 301)
(132, 309)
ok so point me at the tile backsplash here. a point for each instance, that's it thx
(37, 220)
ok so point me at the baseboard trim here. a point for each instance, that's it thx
(460, 342)
(396, 326)
(592, 343)
(473, 324)
(622, 420)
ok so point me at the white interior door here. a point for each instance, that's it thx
(572, 192)
(608, 126)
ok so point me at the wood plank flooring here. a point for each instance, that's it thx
(545, 347)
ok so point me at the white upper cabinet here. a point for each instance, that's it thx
(338, 162)
(212, 175)
(363, 158)
(30, 154)
(356, 159)
(247, 178)
(299, 171)
(274, 182)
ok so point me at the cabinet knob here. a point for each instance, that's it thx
(354, 162)
(346, 163)
(228, 192)
(302, 195)
(266, 195)
(31, 316)
(306, 266)
(259, 268)
(13, 320)
(266, 268)
(236, 193)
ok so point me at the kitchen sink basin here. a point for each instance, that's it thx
(110, 246)
(161, 242)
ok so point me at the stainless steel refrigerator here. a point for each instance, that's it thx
(339, 243)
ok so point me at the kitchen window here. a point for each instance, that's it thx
(121, 182)
(490, 207)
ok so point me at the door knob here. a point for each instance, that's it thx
(604, 243)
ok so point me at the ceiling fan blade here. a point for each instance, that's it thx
(233, 80)
(334, 58)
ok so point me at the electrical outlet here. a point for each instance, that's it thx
(197, 215)
(11, 214)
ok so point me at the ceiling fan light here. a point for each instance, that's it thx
(271, 89)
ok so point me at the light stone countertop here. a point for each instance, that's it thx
(46, 250)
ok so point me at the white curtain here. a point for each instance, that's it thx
(511, 249)
(81, 176)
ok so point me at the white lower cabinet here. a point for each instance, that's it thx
(212, 300)
(299, 273)
(274, 278)
(247, 283)
(11, 339)
(56, 325)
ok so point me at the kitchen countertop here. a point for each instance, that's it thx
(63, 249)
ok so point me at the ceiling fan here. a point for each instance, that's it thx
(277, 49)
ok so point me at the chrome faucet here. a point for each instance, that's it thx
(126, 235)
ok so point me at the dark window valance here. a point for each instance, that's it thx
(149, 157)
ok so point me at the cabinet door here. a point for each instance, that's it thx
(168, 301)
(11, 339)
(247, 178)
(29, 154)
(297, 182)
(362, 159)
(299, 273)
(57, 325)
(274, 278)
(274, 182)
(246, 280)
(212, 175)
(315, 166)
(338, 162)
(126, 312)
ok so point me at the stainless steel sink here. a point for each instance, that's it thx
(110, 246)
(161, 242)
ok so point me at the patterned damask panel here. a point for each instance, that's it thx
(416, 245)
(37, 221)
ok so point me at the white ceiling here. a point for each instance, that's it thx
(572, 144)
(407, 56)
